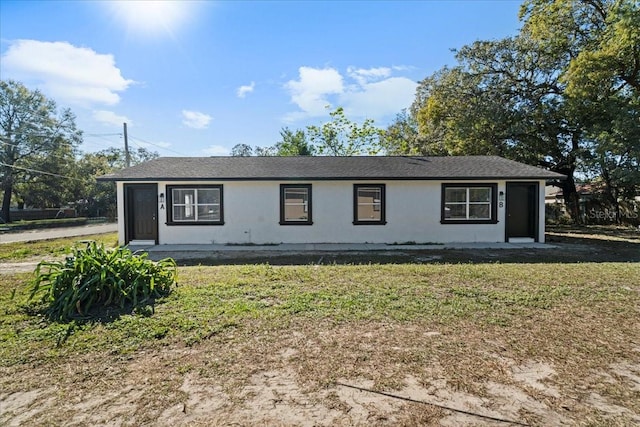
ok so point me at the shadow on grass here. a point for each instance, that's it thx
(96, 315)
(603, 231)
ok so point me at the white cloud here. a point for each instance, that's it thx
(310, 92)
(195, 119)
(244, 90)
(379, 99)
(403, 67)
(372, 93)
(69, 74)
(111, 118)
(216, 150)
(363, 76)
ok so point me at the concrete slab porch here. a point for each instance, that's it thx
(333, 247)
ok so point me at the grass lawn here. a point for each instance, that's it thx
(537, 344)
(19, 251)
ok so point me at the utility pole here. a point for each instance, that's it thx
(127, 157)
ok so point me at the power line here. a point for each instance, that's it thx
(139, 145)
(55, 135)
(13, 145)
(77, 153)
(40, 172)
(89, 136)
(102, 134)
(9, 144)
(74, 154)
(42, 135)
(95, 146)
(111, 143)
(156, 145)
(35, 135)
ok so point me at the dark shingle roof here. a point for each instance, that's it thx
(329, 168)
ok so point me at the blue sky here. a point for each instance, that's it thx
(197, 78)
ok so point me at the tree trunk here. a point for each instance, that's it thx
(571, 198)
(610, 193)
(7, 187)
(568, 185)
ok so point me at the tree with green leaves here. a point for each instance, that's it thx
(601, 41)
(561, 94)
(599, 38)
(504, 98)
(337, 137)
(402, 137)
(31, 131)
(52, 189)
(241, 150)
(95, 198)
(613, 153)
(343, 137)
(92, 198)
(116, 158)
(264, 151)
(293, 143)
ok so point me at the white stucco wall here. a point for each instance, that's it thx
(252, 214)
(120, 211)
(541, 210)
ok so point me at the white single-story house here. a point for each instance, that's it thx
(368, 199)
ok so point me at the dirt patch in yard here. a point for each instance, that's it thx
(18, 267)
(324, 375)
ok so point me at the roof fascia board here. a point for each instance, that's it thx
(354, 178)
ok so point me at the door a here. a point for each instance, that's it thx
(141, 212)
(522, 211)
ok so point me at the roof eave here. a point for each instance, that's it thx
(345, 178)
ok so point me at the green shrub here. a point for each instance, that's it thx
(98, 278)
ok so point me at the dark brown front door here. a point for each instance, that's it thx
(141, 211)
(522, 210)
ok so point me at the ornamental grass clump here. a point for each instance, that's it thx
(95, 278)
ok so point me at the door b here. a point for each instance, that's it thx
(142, 212)
(522, 210)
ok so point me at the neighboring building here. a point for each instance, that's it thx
(555, 195)
(376, 199)
(593, 206)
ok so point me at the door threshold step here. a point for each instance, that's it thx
(142, 243)
(521, 240)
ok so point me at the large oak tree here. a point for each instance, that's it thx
(563, 94)
(32, 135)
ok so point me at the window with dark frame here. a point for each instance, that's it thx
(295, 204)
(369, 204)
(469, 203)
(199, 204)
